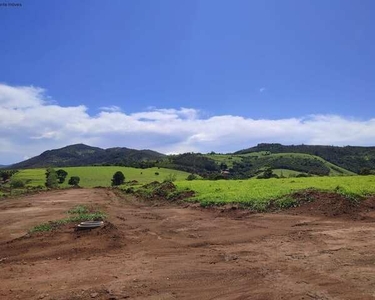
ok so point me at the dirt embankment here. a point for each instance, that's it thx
(171, 252)
(328, 204)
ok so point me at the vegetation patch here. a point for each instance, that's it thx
(285, 202)
(257, 193)
(79, 209)
(155, 190)
(93, 176)
(78, 213)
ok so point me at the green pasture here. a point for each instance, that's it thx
(100, 176)
(258, 192)
(334, 170)
(285, 172)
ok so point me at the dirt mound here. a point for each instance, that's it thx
(324, 204)
(64, 241)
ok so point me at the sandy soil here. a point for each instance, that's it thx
(164, 251)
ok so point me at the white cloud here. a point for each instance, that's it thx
(111, 108)
(261, 90)
(30, 124)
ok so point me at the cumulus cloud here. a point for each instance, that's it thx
(30, 123)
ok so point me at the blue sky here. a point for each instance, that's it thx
(257, 60)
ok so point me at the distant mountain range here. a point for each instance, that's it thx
(303, 159)
(83, 155)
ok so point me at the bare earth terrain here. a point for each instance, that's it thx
(166, 251)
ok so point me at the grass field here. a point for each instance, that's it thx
(285, 172)
(100, 176)
(258, 192)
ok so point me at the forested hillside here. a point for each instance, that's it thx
(352, 158)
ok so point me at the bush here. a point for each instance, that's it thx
(170, 178)
(267, 174)
(51, 178)
(118, 178)
(74, 180)
(61, 175)
(365, 171)
(17, 184)
(191, 177)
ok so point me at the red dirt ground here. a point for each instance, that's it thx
(166, 251)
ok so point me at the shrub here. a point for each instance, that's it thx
(74, 180)
(17, 184)
(51, 178)
(170, 178)
(286, 202)
(191, 177)
(365, 171)
(61, 175)
(118, 178)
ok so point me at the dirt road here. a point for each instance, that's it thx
(172, 252)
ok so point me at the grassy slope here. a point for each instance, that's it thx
(100, 176)
(258, 191)
(286, 172)
(229, 159)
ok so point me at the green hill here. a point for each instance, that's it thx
(352, 158)
(253, 163)
(83, 155)
(292, 160)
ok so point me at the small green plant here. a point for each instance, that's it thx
(42, 228)
(79, 209)
(170, 178)
(285, 202)
(208, 203)
(95, 216)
